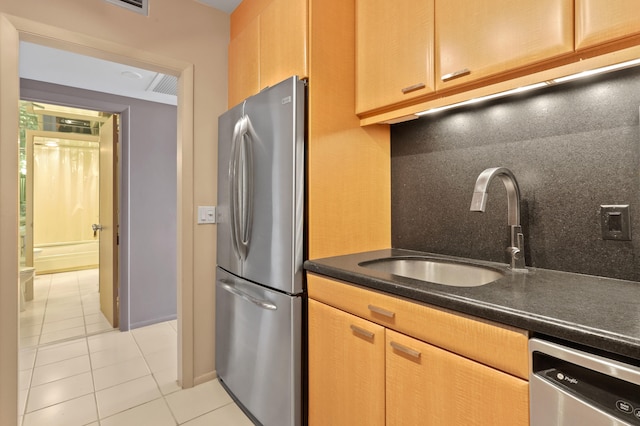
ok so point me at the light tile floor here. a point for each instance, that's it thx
(112, 378)
(64, 306)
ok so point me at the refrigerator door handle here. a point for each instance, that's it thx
(241, 175)
(233, 187)
(260, 303)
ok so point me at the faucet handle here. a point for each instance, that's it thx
(514, 253)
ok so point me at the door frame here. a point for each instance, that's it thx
(12, 31)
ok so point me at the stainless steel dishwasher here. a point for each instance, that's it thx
(570, 387)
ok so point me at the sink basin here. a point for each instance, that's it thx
(437, 271)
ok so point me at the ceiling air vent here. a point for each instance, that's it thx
(163, 83)
(140, 6)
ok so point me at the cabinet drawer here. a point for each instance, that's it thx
(500, 346)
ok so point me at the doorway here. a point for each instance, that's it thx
(68, 191)
(11, 31)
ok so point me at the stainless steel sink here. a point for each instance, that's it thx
(437, 271)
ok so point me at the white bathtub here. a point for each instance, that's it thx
(67, 256)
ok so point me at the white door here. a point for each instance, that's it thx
(108, 226)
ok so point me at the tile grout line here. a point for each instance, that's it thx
(162, 395)
(37, 348)
(93, 381)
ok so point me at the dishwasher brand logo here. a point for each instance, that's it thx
(567, 379)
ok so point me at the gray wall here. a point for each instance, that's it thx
(571, 147)
(148, 199)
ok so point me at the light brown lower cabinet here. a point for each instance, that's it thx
(362, 373)
(426, 385)
(346, 368)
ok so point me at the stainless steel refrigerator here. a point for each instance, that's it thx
(260, 246)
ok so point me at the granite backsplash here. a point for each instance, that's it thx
(572, 148)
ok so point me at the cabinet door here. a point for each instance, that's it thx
(476, 39)
(427, 385)
(395, 51)
(600, 21)
(283, 41)
(244, 63)
(346, 368)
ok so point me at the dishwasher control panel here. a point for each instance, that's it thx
(617, 397)
(572, 387)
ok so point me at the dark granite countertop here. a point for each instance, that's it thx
(598, 312)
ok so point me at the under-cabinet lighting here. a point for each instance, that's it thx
(52, 144)
(598, 71)
(485, 98)
(582, 74)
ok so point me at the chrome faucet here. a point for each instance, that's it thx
(515, 252)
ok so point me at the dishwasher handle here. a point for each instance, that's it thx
(610, 367)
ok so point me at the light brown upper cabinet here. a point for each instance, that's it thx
(394, 53)
(478, 39)
(270, 45)
(244, 63)
(600, 21)
(283, 41)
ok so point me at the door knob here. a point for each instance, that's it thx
(96, 227)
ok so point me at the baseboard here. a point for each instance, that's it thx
(207, 377)
(152, 321)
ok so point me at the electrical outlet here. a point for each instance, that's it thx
(615, 222)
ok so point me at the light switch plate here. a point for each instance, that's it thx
(206, 214)
(615, 222)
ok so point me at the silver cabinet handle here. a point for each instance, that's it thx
(260, 303)
(413, 88)
(411, 352)
(362, 331)
(455, 74)
(381, 311)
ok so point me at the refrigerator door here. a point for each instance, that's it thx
(227, 257)
(261, 187)
(258, 349)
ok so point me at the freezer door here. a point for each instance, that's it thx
(258, 349)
